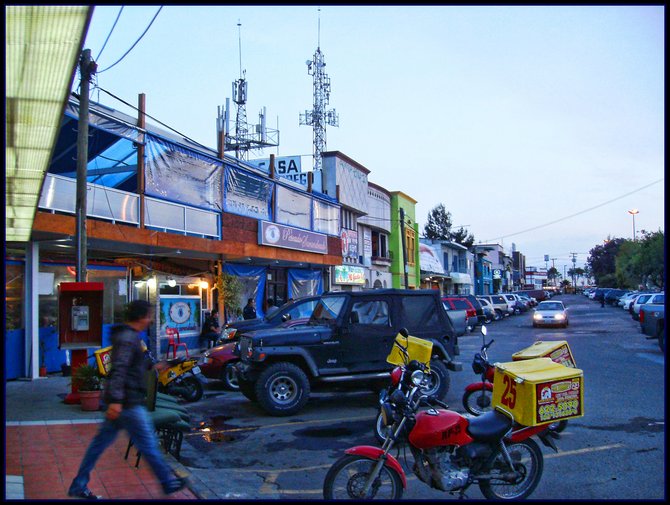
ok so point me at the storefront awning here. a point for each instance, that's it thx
(459, 278)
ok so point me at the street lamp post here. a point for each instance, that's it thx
(632, 212)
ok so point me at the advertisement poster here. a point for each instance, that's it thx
(559, 400)
(181, 312)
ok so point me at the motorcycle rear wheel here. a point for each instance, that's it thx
(478, 401)
(346, 477)
(194, 389)
(528, 462)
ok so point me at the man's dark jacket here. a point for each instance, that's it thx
(126, 383)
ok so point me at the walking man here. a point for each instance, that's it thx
(124, 396)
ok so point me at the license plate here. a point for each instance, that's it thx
(196, 369)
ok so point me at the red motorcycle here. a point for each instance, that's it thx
(478, 396)
(451, 452)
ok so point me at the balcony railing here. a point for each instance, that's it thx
(59, 194)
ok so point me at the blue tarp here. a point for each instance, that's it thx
(302, 282)
(253, 284)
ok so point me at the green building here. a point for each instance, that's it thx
(401, 204)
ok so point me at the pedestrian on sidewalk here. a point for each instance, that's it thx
(124, 396)
(249, 311)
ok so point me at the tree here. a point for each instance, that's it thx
(439, 225)
(601, 262)
(553, 274)
(642, 262)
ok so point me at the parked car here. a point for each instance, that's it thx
(219, 362)
(550, 313)
(539, 294)
(489, 312)
(532, 302)
(637, 303)
(345, 343)
(612, 296)
(478, 307)
(652, 320)
(499, 304)
(518, 305)
(626, 300)
(296, 309)
(457, 302)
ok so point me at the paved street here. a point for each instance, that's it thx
(236, 451)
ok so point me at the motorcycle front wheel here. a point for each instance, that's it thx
(347, 476)
(528, 466)
(193, 389)
(478, 401)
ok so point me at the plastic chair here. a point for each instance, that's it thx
(174, 341)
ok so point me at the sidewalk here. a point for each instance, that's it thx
(45, 441)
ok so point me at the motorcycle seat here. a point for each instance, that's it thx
(490, 426)
(176, 361)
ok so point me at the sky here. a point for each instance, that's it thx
(537, 128)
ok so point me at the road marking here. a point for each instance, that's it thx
(583, 451)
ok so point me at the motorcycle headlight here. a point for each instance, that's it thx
(417, 377)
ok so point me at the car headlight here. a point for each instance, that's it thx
(560, 317)
(537, 315)
(229, 333)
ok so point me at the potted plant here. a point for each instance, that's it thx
(88, 381)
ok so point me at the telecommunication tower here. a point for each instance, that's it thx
(245, 137)
(319, 117)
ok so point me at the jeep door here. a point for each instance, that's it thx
(367, 334)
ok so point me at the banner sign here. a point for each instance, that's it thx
(180, 312)
(247, 194)
(345, 274)
(287, 167)
(278, 235)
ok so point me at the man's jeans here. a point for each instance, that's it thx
(136, 421)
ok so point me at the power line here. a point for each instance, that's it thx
(575, 214)
(131, 47)
(110, 33)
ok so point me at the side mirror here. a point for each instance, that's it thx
(285, 317)
(484, 330)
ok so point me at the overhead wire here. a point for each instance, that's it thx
(576, 213)
(136, 42)
(110, 33)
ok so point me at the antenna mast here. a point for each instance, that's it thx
(319, 117)
(246, 137)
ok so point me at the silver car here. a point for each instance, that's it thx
(550, 313)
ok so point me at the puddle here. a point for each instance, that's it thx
(218, 430)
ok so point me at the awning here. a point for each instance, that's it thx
(459, 278)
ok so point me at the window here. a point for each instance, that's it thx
(410, 243)
(372, 312)
(420, 312)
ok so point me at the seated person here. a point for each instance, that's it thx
(210, 329)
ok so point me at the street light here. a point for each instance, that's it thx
(632, 212)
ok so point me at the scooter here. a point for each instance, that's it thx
(478, 396)
(182, 376)
(451, 452)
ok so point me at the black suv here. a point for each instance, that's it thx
(346, 342)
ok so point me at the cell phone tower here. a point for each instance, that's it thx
(318, 118)
(246, 137)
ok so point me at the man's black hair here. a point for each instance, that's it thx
(137, 309)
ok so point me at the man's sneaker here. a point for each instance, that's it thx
(86, 494)
(175, 485)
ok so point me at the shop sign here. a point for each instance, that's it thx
(287, 237)
(346, 274)
(349, 243)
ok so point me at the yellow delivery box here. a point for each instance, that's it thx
(558, 351)
(417, 348)
(103, 358)
(538, 391)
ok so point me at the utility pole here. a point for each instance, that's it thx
(404, 246)
(87, 68)
(553, 265)
(574, 274)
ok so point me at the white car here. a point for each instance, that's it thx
(550, 313)
(641, 300)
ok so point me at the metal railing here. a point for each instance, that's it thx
(59, 194)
